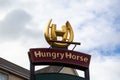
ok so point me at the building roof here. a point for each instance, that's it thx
(22, 72)
(57, 69)
(13, 68)
(50, 69)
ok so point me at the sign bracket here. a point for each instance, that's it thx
(75, 43)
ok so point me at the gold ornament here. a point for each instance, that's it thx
(51, 35)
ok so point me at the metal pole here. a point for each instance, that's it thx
(32, 71)
(87, 77)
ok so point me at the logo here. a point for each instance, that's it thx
(59, 57)
(66, 34)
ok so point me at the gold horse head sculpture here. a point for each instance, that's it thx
(66, 34)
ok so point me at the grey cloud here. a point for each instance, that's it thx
(7, 4)
(14, 24)
(4, 3)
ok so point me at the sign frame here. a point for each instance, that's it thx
(68, 58)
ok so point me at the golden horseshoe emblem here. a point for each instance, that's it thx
(66, 33)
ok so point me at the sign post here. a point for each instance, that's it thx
(58, 53)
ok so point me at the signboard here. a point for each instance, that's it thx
(59, 57)
(57, 76)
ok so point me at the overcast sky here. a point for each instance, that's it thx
(96, 24)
